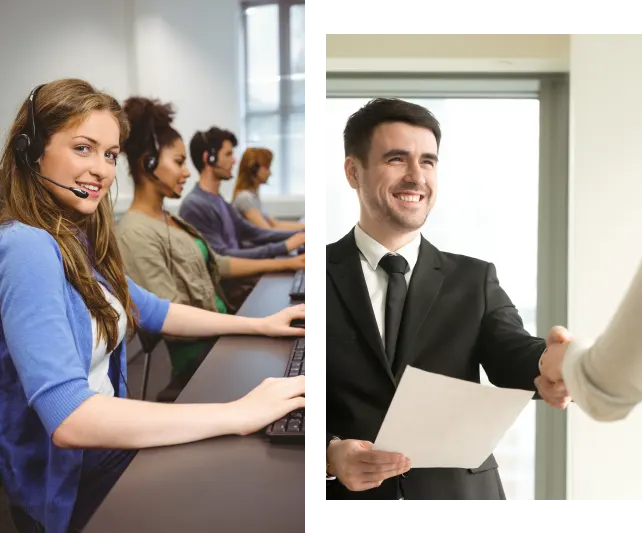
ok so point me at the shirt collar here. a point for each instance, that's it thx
(374, 251)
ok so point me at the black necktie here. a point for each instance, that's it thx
(396, 267)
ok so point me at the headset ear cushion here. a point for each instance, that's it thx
(36, 149)
(211, 158)
(21, 143)
(150, 163)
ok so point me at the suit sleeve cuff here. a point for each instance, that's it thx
(539, 364)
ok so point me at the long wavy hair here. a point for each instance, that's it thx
(251, 160)
(87, 242)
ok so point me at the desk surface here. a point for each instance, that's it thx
(230, 484)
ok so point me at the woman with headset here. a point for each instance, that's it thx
(161, 252)
(254, 171)
(67, 428)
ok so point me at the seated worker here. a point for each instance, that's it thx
(68, 426)
(225, 230)
(163, 253)
(255, 171)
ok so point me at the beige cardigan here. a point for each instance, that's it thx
(605, 378)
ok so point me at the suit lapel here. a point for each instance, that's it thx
(423, 289)
(344, 267)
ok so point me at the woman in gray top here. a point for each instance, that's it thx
(254, 171)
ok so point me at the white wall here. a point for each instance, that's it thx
(188, 53)
(43, 49)
(185, 52)
(605, 225)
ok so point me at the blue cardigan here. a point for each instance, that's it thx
(45, 353)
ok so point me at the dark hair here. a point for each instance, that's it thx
(143, 115)
(357, 134)
(215, 138)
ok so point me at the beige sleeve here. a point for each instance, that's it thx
(605, 378)
(222, 264)
(145, 263)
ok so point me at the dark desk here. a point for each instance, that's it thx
(226, 484)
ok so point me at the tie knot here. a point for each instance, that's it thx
(394, 264)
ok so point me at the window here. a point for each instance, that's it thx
(487, 207)
(275, 89)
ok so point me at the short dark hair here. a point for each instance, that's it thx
(215, 138)
(360, 127)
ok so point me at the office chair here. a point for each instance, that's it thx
(148, 341)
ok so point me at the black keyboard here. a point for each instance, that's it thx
(297, 292)
(291, 428)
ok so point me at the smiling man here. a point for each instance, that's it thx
(393, 300)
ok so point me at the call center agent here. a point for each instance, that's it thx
(228, 233)
(67, 431)
(164, 254)
(254, 171)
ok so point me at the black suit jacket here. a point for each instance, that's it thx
(456, 318)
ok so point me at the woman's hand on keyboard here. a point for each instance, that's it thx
(278, 325)
(271, 400)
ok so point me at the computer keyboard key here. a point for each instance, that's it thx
(293, 425)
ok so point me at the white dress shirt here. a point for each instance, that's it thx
(371, 252)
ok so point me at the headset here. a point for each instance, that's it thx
(29, 147)
(211, 153)
(150, 163)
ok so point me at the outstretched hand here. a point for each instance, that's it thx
(550, 383)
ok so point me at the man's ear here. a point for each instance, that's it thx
(351, 167)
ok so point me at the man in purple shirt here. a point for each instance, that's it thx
(225, 230)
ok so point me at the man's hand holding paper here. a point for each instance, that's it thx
(359, 467)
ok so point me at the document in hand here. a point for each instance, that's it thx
(438, 421)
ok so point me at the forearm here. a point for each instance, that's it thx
(241, 267)
(288, 225)
(263, 251)
(605, 378)
(117, 423)
(257, 235)
(187, 321)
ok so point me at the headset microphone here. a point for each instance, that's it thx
(29, 147)
(173, 193)
(212, 158)
(150, 163)
(78, 192)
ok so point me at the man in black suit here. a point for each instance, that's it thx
(393, 300)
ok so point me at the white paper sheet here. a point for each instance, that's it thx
(438, 421)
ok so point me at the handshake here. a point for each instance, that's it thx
(550, 382)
